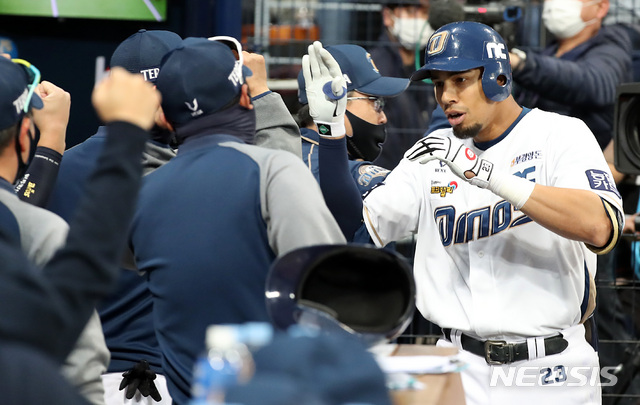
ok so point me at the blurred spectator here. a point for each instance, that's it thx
(626, 13)
(578, 73)
(400, 52)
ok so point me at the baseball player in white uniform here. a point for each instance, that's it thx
(510, 207)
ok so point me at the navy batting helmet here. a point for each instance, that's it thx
(366, 291)
(466, 45)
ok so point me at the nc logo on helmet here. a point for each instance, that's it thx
(495, 50)
(437, 43)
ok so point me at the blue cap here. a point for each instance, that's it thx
(14, 90)
(324, 369)
(361, 74)
(198, 78)
(143, 51)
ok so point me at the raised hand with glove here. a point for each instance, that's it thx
(465, 164)
(326, 90)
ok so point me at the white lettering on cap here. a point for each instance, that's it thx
(235, 76)
(195, 110)
(150, 74)
(21, 101)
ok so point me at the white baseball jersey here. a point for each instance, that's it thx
(480, 265)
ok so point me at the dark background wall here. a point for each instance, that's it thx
(66, 50)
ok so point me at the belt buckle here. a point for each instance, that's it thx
(487, 351)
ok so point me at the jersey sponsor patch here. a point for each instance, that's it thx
(444, 190)
(600, 180)
(366, 173)
(526, 157)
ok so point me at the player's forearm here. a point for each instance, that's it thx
(54, 139)
(338, 187)
(575, 214)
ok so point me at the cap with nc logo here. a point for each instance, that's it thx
(198, 78)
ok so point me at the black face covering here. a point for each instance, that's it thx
(162, 135)
(33, 143)
(366, 139)
(237, 121)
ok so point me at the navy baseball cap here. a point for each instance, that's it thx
(143, 51)
(14, 93)
(321, 369)
(198, 78)
(360, 73)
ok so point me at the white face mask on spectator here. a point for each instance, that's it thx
(411, 31)
(562, 17)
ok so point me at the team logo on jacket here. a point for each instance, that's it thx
(444, 190)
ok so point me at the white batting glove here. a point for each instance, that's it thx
(326, 90)
(458, 157)
(462, 160)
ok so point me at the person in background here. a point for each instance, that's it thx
(365, 121)
(209, 223)
(577, 75)
(59, 299)
(398, 53)
(126, 313)
(40, 232)
(510, 206)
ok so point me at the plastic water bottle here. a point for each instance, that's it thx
(227, 360)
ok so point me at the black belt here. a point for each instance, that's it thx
(497, 352)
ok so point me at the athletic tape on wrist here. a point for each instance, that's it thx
(332, 129)
(514, 189)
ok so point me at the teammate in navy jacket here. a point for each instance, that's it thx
(210, 222)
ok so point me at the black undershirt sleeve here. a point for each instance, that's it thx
(338, 187)
(36, 185)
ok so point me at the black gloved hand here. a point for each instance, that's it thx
(140, 378)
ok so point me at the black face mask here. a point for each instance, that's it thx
(162, 135)
(33, 143)
(366, 139)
